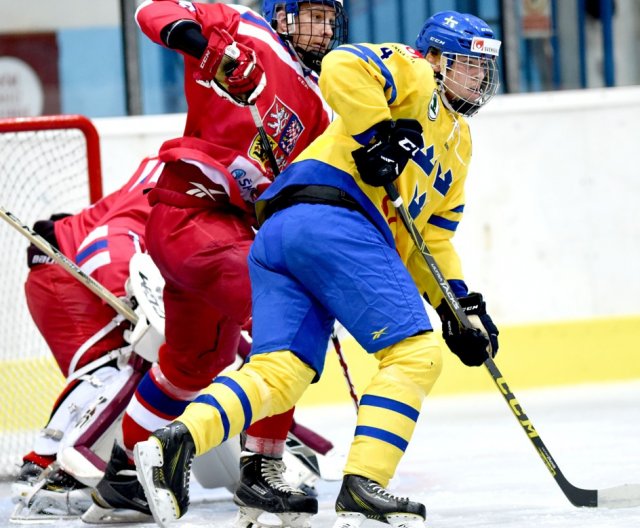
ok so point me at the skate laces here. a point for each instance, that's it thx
(272, 470)
(379, 490)
(187, 471)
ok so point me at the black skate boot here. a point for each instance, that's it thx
(262, 489)
(29, 472)
(164, 466)
(47, 493)
(35, 468)
(361, 498)
(23, 486)
(118, 497)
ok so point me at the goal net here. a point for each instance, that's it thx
(47, 165)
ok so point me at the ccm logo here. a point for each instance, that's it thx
(409, 146)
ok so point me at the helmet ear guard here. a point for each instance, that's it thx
(468, 74)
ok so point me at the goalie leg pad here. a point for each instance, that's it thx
(87, 444)
(72, 403)
(220, 466)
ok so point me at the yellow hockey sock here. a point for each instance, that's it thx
(268, 384)
(391, 405)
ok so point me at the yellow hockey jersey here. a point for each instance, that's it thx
(366, 84)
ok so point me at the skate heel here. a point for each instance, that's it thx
(163, 504)
(349, 520)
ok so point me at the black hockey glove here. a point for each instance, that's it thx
(394, 144)
(471, 346)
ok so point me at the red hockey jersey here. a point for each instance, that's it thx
(220, 137)
(82, 237)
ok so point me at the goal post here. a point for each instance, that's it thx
(48, 165)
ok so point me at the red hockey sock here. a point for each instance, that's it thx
(268, 435)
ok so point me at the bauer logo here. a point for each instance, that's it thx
(485, 45)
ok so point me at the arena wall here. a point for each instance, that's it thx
(551, 236)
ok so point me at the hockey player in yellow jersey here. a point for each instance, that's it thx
(331, 246)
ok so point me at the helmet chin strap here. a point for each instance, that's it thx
(447, 104)
(311, 59)
(443, 91)
(457, 106)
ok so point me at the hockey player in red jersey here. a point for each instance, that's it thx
(83, 332)
(201, 224)
(329, 247)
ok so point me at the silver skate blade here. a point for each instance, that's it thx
(257, 518)
(22, 514)
(97, 515)
(162, 503)
(349, 520)
(625, 496)
(401, 520)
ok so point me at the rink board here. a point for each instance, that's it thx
(550, 354)
(530, 356)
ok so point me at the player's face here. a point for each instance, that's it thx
(314, 28)
(465, 76)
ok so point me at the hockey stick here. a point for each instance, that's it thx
(625, 496)
(43, 245)
(345, 369)
(264, 139)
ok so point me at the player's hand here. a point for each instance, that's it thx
(472, 346)
(231, 69)
(393, 145)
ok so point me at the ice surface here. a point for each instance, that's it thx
(473, 467)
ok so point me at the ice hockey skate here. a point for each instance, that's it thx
(361, 498)
(164, 464)
(48, 493)
(118, 497)
(263, 490)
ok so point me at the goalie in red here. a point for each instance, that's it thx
(102, 357)
(87, 339)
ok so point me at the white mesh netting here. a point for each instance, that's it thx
(41, 172)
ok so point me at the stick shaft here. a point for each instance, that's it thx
(264, 139)
(345, 370)
(43, 245)
(577, 496)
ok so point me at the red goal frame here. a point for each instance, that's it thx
(59, 122)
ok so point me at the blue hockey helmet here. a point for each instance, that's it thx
(468, 51)
(309, 48)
